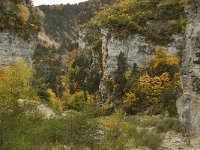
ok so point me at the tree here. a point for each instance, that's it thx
(119, 76)
(129, 101)
(23, 13)
(15, 84)
(164, 62)
(54, 101)
(20, 18)
(81, 75)
(151, 87)
(76, 101)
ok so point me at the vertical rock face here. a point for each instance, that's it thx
(83, 44)
(137, 50)
(105, 37)
(13, 47)
(189, 103)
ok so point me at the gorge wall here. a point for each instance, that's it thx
(13, 47)
(136, 49)
(189, 103)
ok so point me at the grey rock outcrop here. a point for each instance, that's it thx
(32, 107)
(174, 141)
(45, 40)
(83, 44)
(13, 47)
(189, 103)
(137, 50)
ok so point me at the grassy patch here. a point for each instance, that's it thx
(159, 123)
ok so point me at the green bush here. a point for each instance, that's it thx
(15, 131)
(115, 132)
(172, 110)
(150, 140)
(79, 129)
(169, 124)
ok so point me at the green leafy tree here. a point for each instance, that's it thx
(15, 84)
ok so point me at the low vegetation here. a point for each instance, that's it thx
(20, 17)
(156, 20)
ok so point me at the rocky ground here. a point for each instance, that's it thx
(175, 141)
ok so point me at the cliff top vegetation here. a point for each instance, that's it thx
(20, 16)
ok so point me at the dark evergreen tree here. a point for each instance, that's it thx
(119, 78)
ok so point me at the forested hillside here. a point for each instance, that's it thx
(109, 79)
(135, 89)
(62, 22)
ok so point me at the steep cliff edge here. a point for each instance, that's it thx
(20, 23)
(189, 103)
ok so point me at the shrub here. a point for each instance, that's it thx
(76, 101)
(115, 131)
(168, 124)
(119, 134)
(151, 140)
(15, 130)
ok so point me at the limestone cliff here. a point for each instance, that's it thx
(13, 47)
(189, 103)
(137, 50)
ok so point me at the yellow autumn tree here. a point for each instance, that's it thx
(75, 101)
(15, 84)
(129, 99)
(151, 87)
(90, 98)
(166, 83)
(162, 57)
(159, 56)
(155, 90)
(54, 101)
(24, 13)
